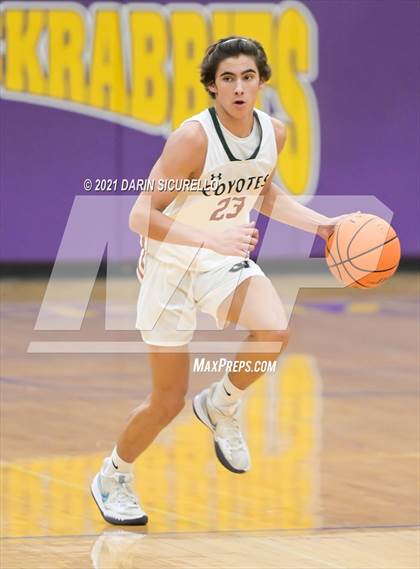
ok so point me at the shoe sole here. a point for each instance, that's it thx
(204, 418)
(142, 521)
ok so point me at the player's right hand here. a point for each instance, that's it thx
(238, 241)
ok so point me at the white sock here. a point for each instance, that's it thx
(226, 395)
(117, 464)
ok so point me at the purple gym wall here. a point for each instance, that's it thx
(367, 97)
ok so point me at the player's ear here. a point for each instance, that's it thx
(212, 87)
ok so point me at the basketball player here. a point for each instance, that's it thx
(195, 256)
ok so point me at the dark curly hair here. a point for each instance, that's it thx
(232, 47)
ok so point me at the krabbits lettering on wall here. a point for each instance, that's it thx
(137, 65)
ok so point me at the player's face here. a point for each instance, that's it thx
(237, 84)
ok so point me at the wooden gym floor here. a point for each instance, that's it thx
(333, 433)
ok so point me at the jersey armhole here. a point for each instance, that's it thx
(274, 136)
(207, 139)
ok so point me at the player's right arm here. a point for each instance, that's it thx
(183, 158)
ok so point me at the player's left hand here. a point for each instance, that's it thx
(325, 231)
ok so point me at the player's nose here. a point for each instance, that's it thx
(239, 89)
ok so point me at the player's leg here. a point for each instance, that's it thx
(112, 486)
(169, 386)
(255, 305)
(159, 311)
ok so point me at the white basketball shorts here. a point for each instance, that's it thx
(170, 297)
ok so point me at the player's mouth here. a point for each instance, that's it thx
(240, 103)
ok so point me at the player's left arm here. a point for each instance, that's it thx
(279, 205)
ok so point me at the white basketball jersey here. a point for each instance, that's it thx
(233, 176)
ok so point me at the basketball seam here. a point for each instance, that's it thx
(360, 284)
(376, 270)
(393, 268)
(332, 257)
(350, 259)
(341, 260)
(356, 232)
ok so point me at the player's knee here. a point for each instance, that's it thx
(279, 337)
(170, 407)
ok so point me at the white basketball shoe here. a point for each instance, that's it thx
(230, 446)
(116, 499)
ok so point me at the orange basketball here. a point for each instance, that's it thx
(363, 252)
